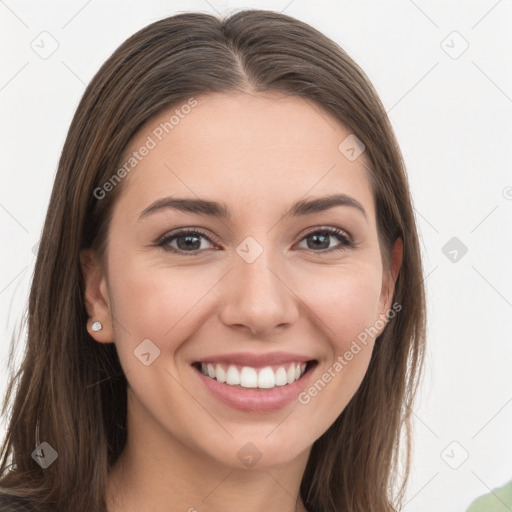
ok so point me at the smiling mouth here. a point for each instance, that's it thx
(244, 377)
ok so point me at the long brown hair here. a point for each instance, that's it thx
(70, 390)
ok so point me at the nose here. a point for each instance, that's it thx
(258, 297)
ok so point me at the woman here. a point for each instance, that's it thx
(227, 310)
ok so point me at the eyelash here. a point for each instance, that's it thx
(346, 242)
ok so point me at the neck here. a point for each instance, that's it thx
(161, 473)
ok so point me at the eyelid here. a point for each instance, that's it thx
(189, 229)
(346, 239)
(332, 230)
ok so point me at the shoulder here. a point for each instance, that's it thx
(9, 503)
(499, 500)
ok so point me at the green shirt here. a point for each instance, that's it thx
(499, 500)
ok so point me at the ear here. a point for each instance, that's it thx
(96, 297)
(390, 277)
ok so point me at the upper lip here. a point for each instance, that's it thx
(255, 360)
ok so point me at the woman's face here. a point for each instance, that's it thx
(262, 286)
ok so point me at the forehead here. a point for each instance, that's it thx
(261, 149)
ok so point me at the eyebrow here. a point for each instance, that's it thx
(215, 209)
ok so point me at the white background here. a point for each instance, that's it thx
(452, 117)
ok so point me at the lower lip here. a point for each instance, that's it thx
(252, 399)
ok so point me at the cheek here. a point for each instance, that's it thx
(160, 304)
(166, 304)
(346, 301)
(346, 306)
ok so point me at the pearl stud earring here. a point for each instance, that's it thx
(96, 326)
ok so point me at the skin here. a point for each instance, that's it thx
(258, 153)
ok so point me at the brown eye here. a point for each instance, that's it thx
(319, 240)
(187, 242)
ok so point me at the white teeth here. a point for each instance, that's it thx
(248, 377)
(266, 378)
(233, 376)
(220, 374)
(281, 377)
(290, 374)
